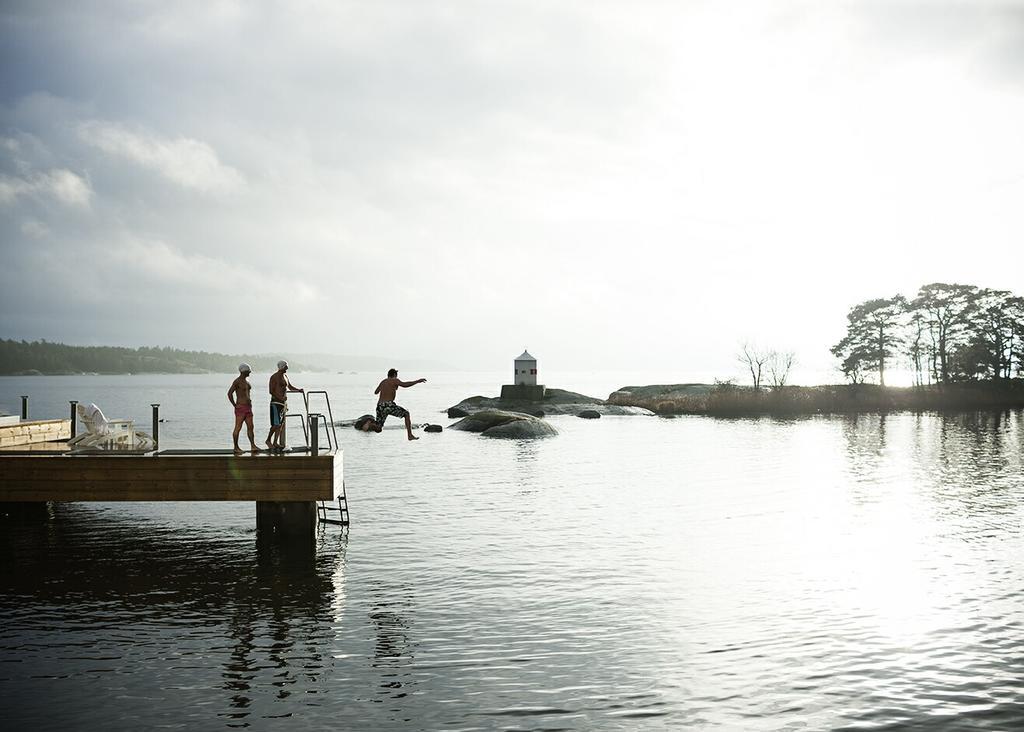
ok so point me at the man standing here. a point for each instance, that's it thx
(386, 402)
(279, 388)
(240, 397)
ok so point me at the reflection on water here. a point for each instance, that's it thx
(821, 573)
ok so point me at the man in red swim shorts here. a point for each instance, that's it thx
(239, 396)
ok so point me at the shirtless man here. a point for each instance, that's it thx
(279, 388)
(386, 402)
(240, 397)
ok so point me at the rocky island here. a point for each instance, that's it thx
(554, 401)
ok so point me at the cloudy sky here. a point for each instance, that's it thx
(614, 185)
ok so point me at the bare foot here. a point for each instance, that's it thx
(413, 437)
(255, 449)
(238, 451)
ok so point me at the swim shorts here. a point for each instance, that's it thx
(386, 408)
(277, 411)
(243, 410)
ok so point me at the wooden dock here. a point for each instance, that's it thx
(34, 431)
(285, 486)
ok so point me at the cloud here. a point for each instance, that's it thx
(603, 181)
(60, 184)
(164, 265)
(188, 162)
(34, 229)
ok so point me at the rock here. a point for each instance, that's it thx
(589, 414)
(433, 428)
(498, 423)
(555, 402)
(522, 429)
(366, 423)
(653, 394)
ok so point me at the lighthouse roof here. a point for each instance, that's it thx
(525, 357)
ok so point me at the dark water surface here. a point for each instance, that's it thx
(631, 573)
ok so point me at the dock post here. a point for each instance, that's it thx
(25, 510)
(314, 434)
(292, 521)
(24, 406)
(74, 418)
(156, 425)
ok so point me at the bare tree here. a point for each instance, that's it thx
(755, 359)
(780, 363)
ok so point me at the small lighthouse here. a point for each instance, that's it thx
(525, 370)
(524, 386)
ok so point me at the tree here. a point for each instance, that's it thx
(1016, 350)
(755, 359)
(779, 365)
(872, 336)
(916, 346)
(990, 324)
(947, 309)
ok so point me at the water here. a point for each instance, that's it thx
(631, 573)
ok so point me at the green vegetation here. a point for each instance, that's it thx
(948, 333)
(41, 357)
(964, 345)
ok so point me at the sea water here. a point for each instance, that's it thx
(852, 572)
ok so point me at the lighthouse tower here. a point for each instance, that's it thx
(525, 370)
(524, 386)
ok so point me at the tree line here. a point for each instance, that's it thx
(946, 333)
(21, 357)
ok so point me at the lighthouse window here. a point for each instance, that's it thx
(533, 371)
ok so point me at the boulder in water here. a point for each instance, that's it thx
(512, 425)
(366, 423)
(433, 428)
(589, 414)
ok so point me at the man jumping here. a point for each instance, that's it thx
(386, 402)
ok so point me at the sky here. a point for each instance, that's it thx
(621, 186)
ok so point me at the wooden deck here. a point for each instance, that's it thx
(35, 431)
(210, 476)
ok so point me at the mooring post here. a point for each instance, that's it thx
(156, 425)
(74, 418)
(24, 406)
(286, 521)
(314, 434)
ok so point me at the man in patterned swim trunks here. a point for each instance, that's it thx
(386, 401)
(240, 398)
(279, 388)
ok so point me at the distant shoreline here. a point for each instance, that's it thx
(739, 401)
(33, 372)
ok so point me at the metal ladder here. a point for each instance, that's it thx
(329, 419)
(313, 419)
(322, 509)
(332, 433)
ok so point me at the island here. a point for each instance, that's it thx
(554, 401)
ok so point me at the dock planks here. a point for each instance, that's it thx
(33, 432)
(211, 477)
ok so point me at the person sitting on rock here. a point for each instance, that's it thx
(386, 402)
